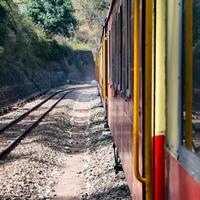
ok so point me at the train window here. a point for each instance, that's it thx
(124, 48)
(114, 46)
(109, 55)
(191, 108)
(113, 53)
(120, 47)
(117, 51)
(128, 51)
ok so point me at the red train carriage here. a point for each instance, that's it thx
(149, 77)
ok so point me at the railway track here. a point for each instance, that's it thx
(12, 133)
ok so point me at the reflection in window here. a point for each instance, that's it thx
(128, 46)
(192, 77)
(196, 78)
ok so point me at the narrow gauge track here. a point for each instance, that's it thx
(12, 133)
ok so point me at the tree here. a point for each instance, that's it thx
(95, 11)
(54, 16)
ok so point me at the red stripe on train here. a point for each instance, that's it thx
(159, 173)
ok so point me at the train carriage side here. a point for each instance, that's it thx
(182, 100)
(120, 86)
(151, 86)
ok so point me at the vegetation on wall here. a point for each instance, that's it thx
(23, 46)
(36, 32)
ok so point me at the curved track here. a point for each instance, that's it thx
(12, 133)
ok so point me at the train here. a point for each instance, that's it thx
(148, 73)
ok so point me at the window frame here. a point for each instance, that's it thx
(188, 159)
(129, 47)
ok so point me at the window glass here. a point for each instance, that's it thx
(114, 47)
(109, 55)
(192, 78)
(113, 52)
(196, 77)
(129, 46)
(117, 41)
(117, 50)
(120, 46)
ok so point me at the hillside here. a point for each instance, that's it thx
(33, 59)
(91, 16)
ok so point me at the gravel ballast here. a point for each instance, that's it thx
(33, 168)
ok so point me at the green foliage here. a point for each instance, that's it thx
(54, 16)
(1, 52)
(77, 44)
(5, 18)
(58, 50)
(22, 45)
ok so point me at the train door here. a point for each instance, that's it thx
(142, 101)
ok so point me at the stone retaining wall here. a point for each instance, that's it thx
(17, 84)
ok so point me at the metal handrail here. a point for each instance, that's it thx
(136, 82)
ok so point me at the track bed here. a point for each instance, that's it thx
(73, 132)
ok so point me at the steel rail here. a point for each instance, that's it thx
(16, 141)
(21, 117)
